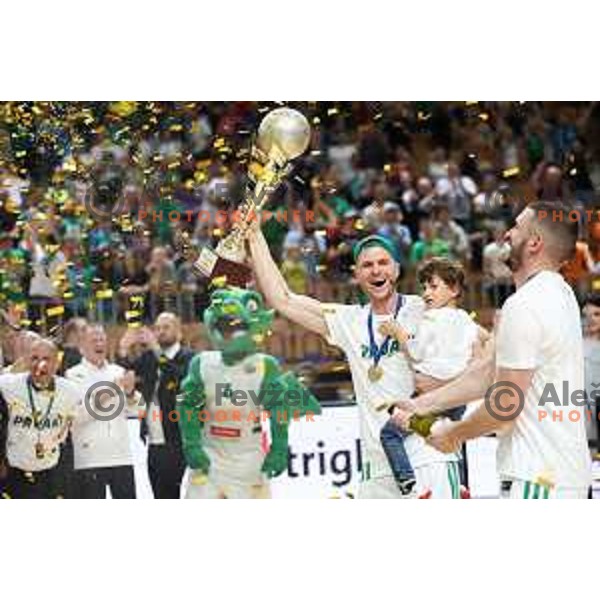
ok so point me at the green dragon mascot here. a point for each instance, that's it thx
(233, 399)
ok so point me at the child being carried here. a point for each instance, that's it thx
(445, 342)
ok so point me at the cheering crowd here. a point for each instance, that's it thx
(438, 179)
(418, 181)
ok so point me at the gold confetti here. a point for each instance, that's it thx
(219, 281)
(55, 311)
(511, 172)
(123, 108)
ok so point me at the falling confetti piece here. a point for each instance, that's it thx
(55, 311)
(219, 281)
(511, 172)
(104, 294)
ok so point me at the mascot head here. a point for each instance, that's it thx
(237, 321)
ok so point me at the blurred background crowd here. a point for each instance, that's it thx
(437, 178)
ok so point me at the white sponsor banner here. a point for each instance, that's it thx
(325, 459)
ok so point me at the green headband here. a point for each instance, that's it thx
(375, 240)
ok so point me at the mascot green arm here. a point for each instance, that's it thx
(285, 398)
(190, 402)
(276, 461)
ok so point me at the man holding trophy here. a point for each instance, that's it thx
(380, 376)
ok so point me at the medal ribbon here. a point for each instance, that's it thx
(37, 422)
(378, 351)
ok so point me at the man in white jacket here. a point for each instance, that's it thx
(37, 408)
(101, 444)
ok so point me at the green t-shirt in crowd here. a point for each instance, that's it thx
(422, 249)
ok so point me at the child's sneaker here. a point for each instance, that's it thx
(407, 488)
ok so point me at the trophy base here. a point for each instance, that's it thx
(212, 266)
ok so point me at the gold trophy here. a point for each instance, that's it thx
(284, 134)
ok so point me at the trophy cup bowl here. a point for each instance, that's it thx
(284, 130)
(284, 134)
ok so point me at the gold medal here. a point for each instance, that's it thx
(376, 352)
(39, 451)
(375, 373)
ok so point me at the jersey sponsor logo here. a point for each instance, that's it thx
(367, 352)
(225, 432)
(27, 422)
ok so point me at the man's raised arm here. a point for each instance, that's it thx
(303, 310)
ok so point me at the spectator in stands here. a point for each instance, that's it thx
(498, 282)
(449, 231)
(294, 270)
(372, 215)
(580, 267)
(47, 261)
(458, 192)
(428, 245)
(418, 203)
(78, 278)
(438, 165)
(312, 246)
(393, 229)
(373, 149)
(548, 182)
(338, 257)
(341, 154)
(162, 280)
(72, 340)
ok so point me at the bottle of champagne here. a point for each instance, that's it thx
(422, 424)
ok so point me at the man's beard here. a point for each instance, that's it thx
(515, 258)
(166, 343)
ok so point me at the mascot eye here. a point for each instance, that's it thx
(252, 305)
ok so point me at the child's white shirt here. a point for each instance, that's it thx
(443, 344)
